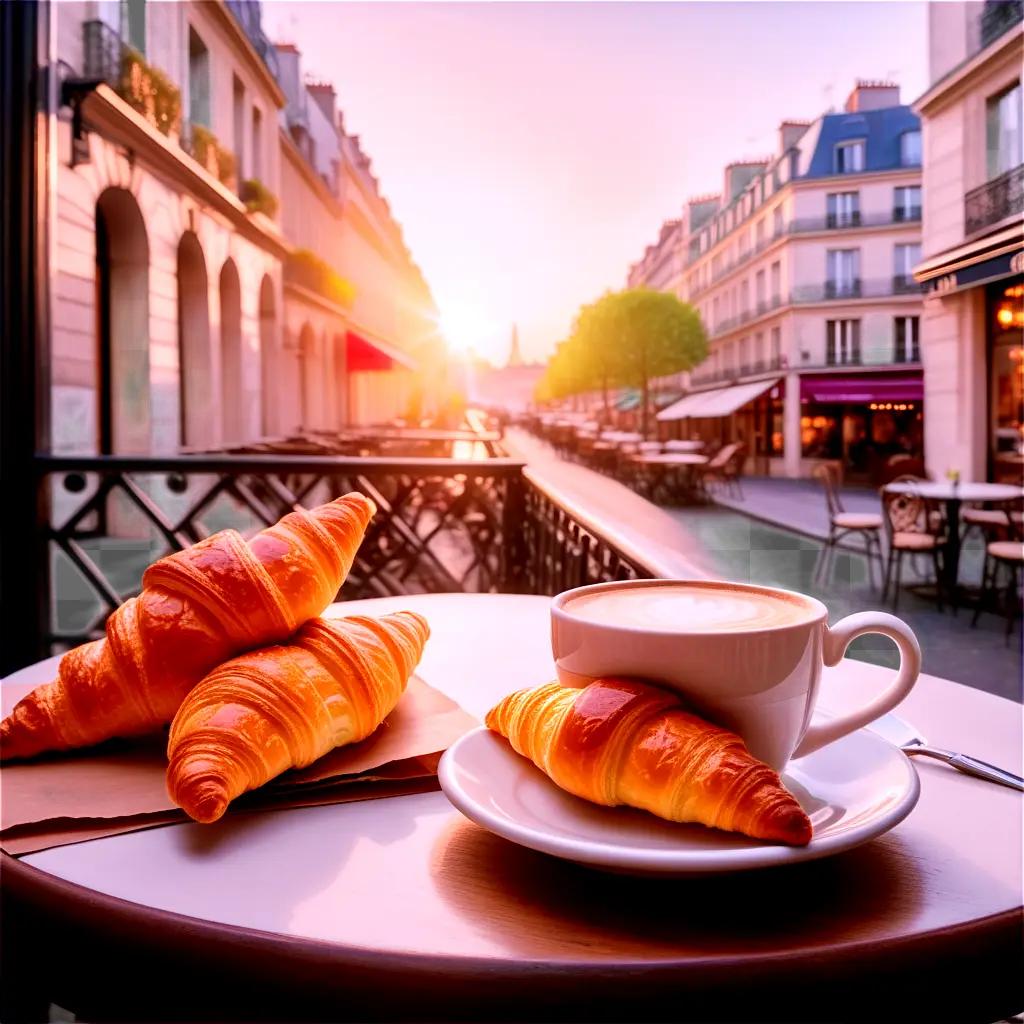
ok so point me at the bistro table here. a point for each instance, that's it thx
(402, 908)
(672, 464)
(953, 495)
(684, 446)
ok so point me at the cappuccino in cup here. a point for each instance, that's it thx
(746, 657)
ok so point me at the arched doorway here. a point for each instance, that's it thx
(195, 372)
(122, 329)
(268, 359)
(310, 379)
(232, 398)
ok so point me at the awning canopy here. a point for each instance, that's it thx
(719, 402)
(628, 400)
(974, 263)
(862, 388)
(362, 353)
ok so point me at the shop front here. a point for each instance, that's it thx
(1005, 350)
(866, 423)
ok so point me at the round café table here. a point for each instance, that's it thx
(401, 908)
(953, 495)
(672, 464)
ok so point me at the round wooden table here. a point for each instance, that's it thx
(953, 495)
(401, 908)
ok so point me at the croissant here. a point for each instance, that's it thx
(283, 707)
(197, 608)
(618, 741)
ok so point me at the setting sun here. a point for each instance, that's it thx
(466, 329)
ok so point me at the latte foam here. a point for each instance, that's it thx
(698, 608)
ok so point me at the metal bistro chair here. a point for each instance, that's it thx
(716, 468)
(913, 527)
(1005, 553)
(841, 524)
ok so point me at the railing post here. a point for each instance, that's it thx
(514, 548)
(24, 178)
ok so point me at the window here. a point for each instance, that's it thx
(1004, 139)
(744, 297)
(257, 143)
(842, 273)
(776, 272)
(910, 149)
(198, 80)
(238, 108)
(133, 24)
(759, 233)
(843, 209)
(759, 351)
(777, 222)
(744, 355)
(850, 157)
(842, 342)
(759, 296)
(776, 344)
(905, 258)
(906, 339)
(906, 203)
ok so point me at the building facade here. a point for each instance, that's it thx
(178, 242)
(801, 270)
(973, 244)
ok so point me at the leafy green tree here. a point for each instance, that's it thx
(640, 334)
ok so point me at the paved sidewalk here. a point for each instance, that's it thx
(795, 504)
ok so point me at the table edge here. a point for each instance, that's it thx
(114, 914)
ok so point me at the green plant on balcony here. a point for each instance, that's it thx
(258, 198)
(208, 151)
(149, 91)
(305, 268)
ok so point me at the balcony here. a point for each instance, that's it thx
(842, 289)
(753, 368)
(856, 288)
(998, 17)
(146, 89)
(906, 214)
(994, 201)
(247, 14)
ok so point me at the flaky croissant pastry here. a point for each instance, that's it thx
(618, 741)
(283, 707)
(197, 608)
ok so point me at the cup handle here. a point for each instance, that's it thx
(837, 639)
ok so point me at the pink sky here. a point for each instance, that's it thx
(532, 150)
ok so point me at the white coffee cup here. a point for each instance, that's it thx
(748, 658)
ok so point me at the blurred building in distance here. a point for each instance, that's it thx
(973, 245)
(801, 270)
(224, 265)
(509, 387)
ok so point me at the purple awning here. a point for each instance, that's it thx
(862, 388)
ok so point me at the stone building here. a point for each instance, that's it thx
(972, 333)
(183, 242)
(801, 270)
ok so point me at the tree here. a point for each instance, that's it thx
(639, 334)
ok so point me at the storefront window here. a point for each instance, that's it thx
(1006, 324)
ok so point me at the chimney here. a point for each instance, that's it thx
(323, 94)
(739, 174)
(790, 133)
(868, 95)
(701, 209)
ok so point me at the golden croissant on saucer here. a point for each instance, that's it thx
(197, 608)
(619, 741)
(283, 707)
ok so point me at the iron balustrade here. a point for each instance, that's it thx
(994, 201)
(998, 17)
(443, 525)
(104, 52)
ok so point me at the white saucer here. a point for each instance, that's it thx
(853, 790)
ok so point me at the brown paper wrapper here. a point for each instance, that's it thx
(120, 787)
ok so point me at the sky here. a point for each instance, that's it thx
(531, 151)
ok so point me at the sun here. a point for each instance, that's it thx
(465, 329)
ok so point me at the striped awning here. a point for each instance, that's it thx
(716, 403)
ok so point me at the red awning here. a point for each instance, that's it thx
(363, 354)
(862, 388)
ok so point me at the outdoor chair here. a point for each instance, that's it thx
(989, 521)
(1003, 555)
(714, 468)
(841, 524)
(913, 527)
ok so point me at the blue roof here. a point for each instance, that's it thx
(881, 128)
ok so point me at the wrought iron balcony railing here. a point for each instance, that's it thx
(143, 87)
(443, 525)
(994, 201)
(997, 17)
